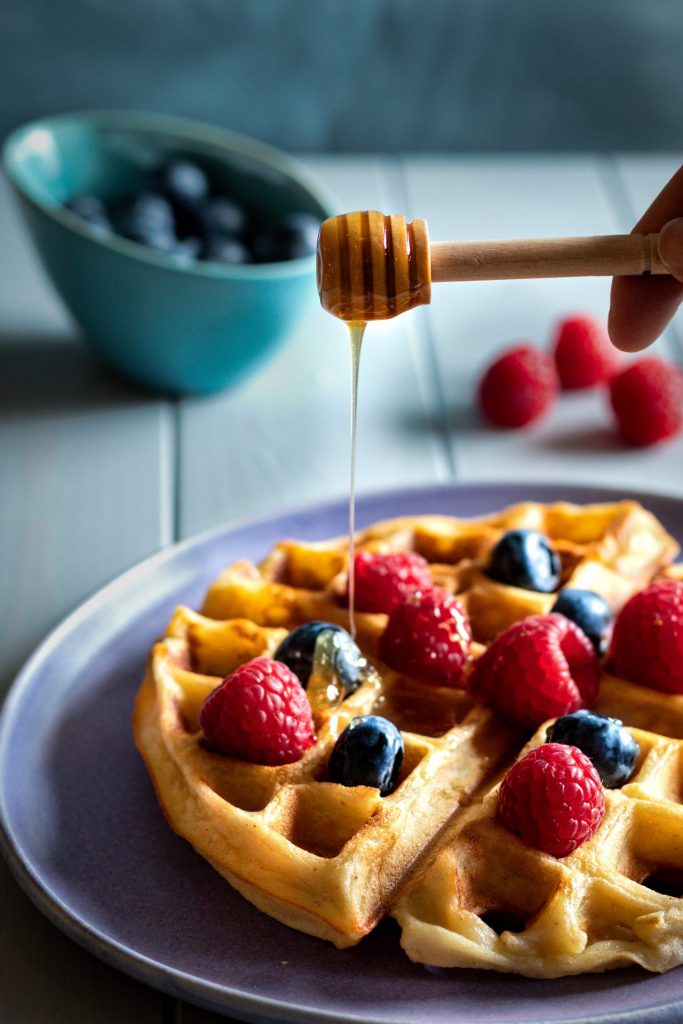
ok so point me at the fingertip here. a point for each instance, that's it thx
(671, 247)
(625, 329)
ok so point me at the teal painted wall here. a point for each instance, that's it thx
(362, 75)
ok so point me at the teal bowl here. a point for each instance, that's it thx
(173, 328)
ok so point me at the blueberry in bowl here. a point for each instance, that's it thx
(180, 213)
(176, 302)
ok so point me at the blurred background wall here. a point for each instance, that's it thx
(362, 75)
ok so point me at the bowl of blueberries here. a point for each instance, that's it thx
(185, 252)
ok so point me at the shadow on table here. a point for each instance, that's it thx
(464, 421)
(40, 372)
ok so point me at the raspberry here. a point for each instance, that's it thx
(647, 399)
(518, 387)
(584, 355)
(552, 798)
(539, 668)
(384, 580)
(428, 636)
(260, 713)
(647, 642)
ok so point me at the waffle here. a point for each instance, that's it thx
(613, 549)
(488, 900)
(324, 858)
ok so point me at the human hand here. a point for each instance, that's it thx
(641, 307)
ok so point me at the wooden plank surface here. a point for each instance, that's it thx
(469, 323)
(84, 465)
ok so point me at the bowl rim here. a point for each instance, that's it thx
(181, 128)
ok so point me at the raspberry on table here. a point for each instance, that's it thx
(609, 745)
(647, 399)
(260, 713)
(428, 637)
(541, 667)
(518, 387)
(583, 353)
(647, 641)
(552, 798)
(383, 581)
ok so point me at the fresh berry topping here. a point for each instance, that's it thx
(524, 558)
(324, 657)
(429, 637)
(518, 387)
(647, 399)
(590, 612)
(539, 668)
(383, 581)
(260, 713)
(584, 355)
(552, 798)
(647, 642)
(369, 752)
(610, 746)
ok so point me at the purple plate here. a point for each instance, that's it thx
(85, 837)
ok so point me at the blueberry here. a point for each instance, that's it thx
(266, 248)
(92, 210)
(524, 558)
(148, 219)
(183, 182)
(294, 236)
(298, 233)
(369, 752)
(318, 646)
(610, 746)
(185, 251)
(222, 216)
(225, 250)
(161, 241)
(590, 612)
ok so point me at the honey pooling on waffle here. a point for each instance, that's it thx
(332, 860)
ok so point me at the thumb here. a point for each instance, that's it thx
(670, 247)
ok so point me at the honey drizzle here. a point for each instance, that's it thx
(356, 332)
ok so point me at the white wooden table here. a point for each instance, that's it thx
(95, 475)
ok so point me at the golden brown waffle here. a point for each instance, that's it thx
(488, 900)
(322, 857)
(317, 855)
(613, 549)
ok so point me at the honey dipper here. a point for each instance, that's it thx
(372, 266)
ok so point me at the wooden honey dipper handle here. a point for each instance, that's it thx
(373, 267)
(593, 256)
